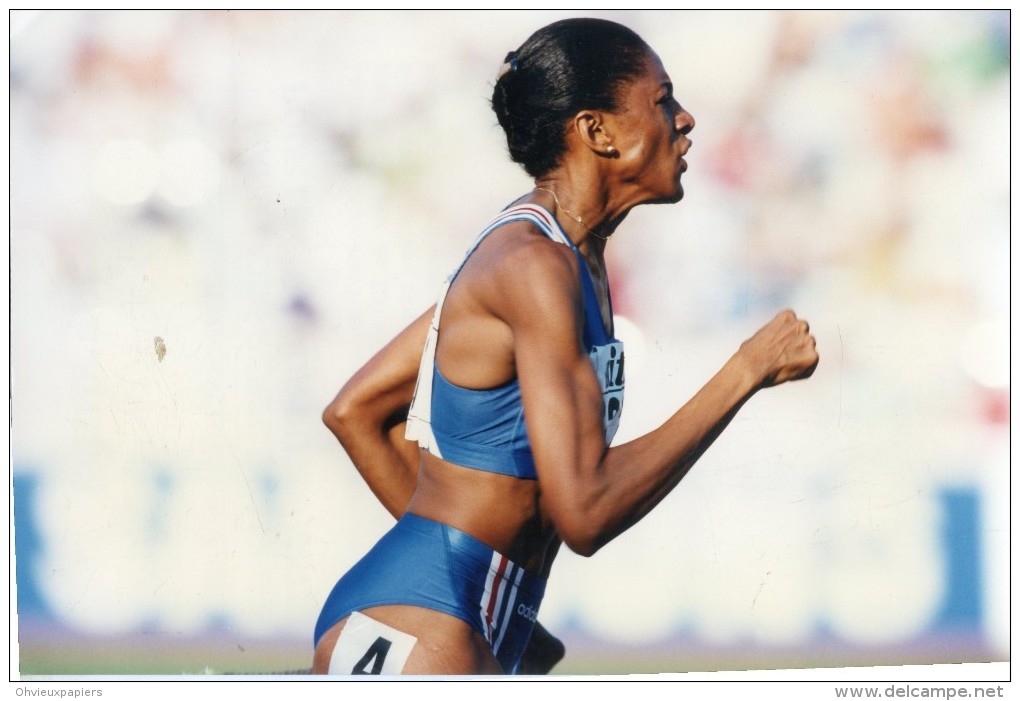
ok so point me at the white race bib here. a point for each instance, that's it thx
(367, 646)
(608, 363)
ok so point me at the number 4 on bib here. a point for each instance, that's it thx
(376, 656)
(366, 646)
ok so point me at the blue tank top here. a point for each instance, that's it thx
(485, 429)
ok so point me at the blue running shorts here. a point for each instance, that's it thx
(425, 563)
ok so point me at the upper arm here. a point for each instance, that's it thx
(561, 394)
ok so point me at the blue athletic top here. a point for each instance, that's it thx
(485, 429)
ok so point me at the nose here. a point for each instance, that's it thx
(684, 121)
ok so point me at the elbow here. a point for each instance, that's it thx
(581, 535)
(583, 546)
(340, 415)
(580, 520)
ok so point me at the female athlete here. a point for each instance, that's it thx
(493, 447)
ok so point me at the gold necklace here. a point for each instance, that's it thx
(573, 216)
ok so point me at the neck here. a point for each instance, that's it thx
(586, 230)
(587, 221)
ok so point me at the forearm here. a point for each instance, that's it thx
(383, 457)
(636, 476)
(368, 417)
(592, 494)
(617, 490)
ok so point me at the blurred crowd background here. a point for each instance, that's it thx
(217, 217)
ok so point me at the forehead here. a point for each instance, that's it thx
(653, 79)
(655, 69)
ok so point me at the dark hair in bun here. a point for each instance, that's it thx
(563, 68)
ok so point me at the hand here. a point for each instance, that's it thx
(781, 351)
(543, 652)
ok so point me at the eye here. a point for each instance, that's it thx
(669, 104)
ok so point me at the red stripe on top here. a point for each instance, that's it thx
(494, 594)
(537, 211)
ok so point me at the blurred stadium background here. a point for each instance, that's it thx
(216, 217)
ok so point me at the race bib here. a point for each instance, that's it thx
(608, 363)
(367, 646)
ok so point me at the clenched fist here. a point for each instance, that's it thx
(781, 351)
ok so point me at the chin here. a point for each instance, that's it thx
(672, 198)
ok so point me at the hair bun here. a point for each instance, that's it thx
(569, 65)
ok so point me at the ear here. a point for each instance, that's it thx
(594, 132)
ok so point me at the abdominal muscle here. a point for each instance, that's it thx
(501, 511)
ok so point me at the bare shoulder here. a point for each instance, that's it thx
(524, 269)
